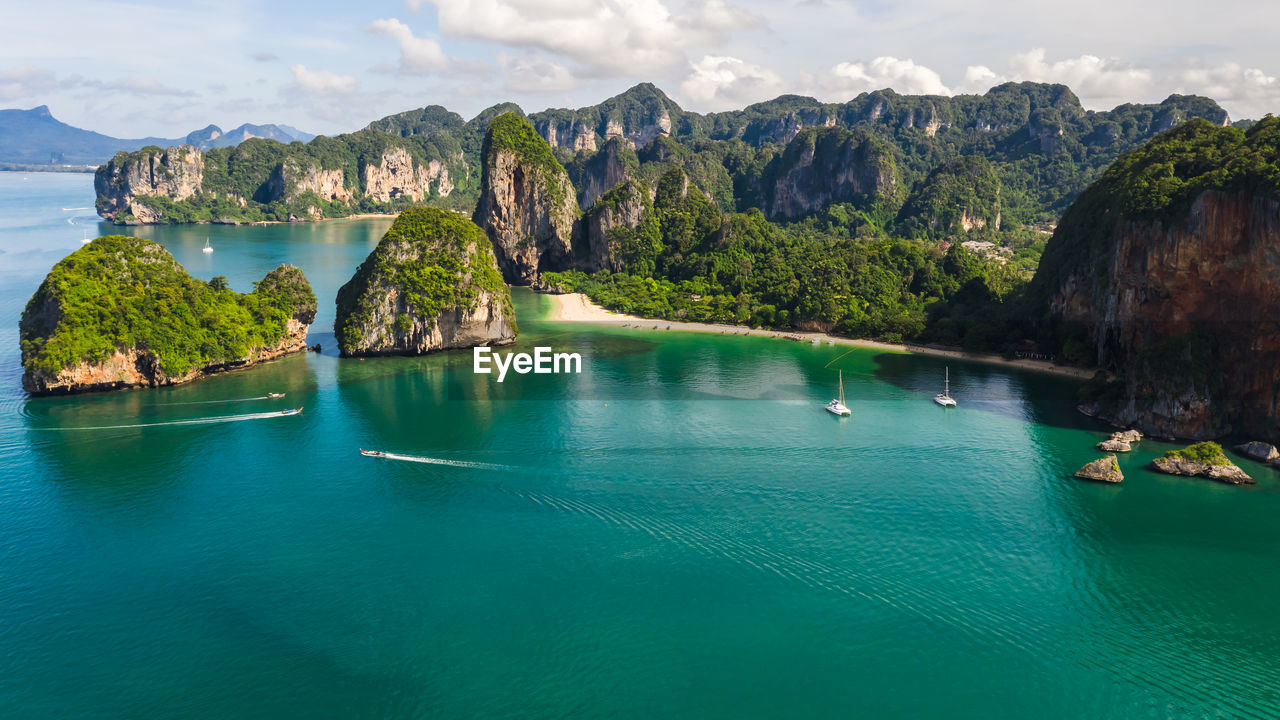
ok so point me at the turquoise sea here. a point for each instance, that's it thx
(678, 532)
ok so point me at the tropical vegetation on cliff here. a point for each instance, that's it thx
(432, 267)
(123, 293)
(1041, 145)
(1205, 453)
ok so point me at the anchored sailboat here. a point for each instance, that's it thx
(944, 398)
(837, 406)
(207, 248)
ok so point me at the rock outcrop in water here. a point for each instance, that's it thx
(1105, 469)
(1203, 460)
(1169, 269)
(527, 203)
(430, 284)
(122, 313)
(1260, 451)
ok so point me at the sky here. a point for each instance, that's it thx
(136, 69)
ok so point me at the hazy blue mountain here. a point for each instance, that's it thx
(35, 137)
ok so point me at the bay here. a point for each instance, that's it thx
(678, 531)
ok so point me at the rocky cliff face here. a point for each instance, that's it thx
(829, 165)
(604, 171)
(133, 368)
(574, 135)
(625, 206)
(1187, 312)
(527, 203)
(175, 173)
(291, 179)
(431, 284)
(120, 337)
(399, 176)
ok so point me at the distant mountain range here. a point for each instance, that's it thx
(34, 138)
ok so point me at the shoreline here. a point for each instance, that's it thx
(577, 308)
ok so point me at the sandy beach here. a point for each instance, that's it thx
(577, 308)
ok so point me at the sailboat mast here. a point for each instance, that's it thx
(946, 382)
(841, 386)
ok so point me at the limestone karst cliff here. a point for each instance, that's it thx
(264, 180)
(826, 165)
(1169, 266)
(128, 185)
(120, 312)
(527, 205)
(430, 284)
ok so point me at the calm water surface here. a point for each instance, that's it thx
(679, 531)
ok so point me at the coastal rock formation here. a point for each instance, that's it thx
(1168, 268)
(124, 184)
(604, 171)
(399, 176)
(1203, 460)
(527, 203)
(1105, 469)
(1120, 441)
(122, 313)
(291, 180)
(619, 226)
(826, 165)
(430, 284)
(1260, 451)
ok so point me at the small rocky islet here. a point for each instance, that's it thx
(122, 313)
(1105, 470)
(432, 283)
(1203, 460)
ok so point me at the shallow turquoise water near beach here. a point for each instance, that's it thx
(679, 531)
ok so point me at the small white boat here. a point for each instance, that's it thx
(207, 248)
(816, 341)
(944, 398)
(837, 406)
(273, 396)
(294, 411)
(84, 238)
(370, 453)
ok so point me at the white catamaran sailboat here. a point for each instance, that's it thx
(837, 406)
(944, 398)
(207, 248)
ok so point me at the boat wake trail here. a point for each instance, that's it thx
(976, 622)
(443, 461)
(212, 402)
(195, 421)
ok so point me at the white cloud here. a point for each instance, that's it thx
(1100, 79)
(1251, 92)
(722, 83)
(533, 75)
(321, 82)
(847, 79)
(138, 86)
(630, 37)
(418, 56)
(25, 81)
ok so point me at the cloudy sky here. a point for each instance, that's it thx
(134, 69)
